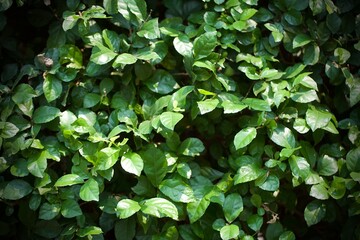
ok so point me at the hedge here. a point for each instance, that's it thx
(180, 119)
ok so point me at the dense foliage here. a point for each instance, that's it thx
(180, 119)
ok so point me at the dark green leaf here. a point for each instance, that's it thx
(327, 166)
(45, 114)
(52, 87)
(162, 82)
(204, 44)
(155, 164)
(255, 222)
(301, 40)
(314, 212)
(191, 147)
(70, 208)
(353, 160)
(125, 229)
(233, 206)
(49, 211)
(16, 189)
(283, 137)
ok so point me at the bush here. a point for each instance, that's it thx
(180, 119)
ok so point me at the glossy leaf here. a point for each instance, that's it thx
(45, 114)
(16, 189)
(126, 208)
(90, 190)
(159, 207)
(283, 137)
(177, 190)
(191, 147)
(68, 180)
(233, 206)
(132, 163)
(155, 165)
(229, 232)
(170, 119)
(314, 212)
(244, 137)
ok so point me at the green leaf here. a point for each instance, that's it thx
(68, 180)
(52, 87)
(37, 164)
(124, 58)
(293, 17)
(197, 209)
(300, 126)
(110, 6)
(132, 163)
(244, 137)
(8, 130)
(271, 183)
(183, 45)
(311, 54)
(19, 169)
(178, 99)
(101, 55)
(255, 222)
(233, 206)
(177, 190)
(229, 232)
(49, 211)
(150, 29)
(301, 40)
(342, 55)
(314, 212)
(283, 137)
(257, 104)
(248, 173)
(111, 39)
(319, 191)
(353, 160)
(304, 96)
(90, 190)
(107, 157)
(125, 229)
(327, 166)
(126, 208)
(70, 208)
(162, 82)
(317, 118)
(170, 119)
(288, 235)
(138, 8)
(45, 114)
(91, 230)
(91, 99)
(159, 207)
(155, 164)
(16, 189)
(317, 6)
(207, 105)
(191, 147)
(299, 167)
(205, 44)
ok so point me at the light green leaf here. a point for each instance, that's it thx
(319, 191)
(150, 29)
(8, 130)
(191, 147)
(229, 232)
(283, 137)
(102, 55)
(197, 209)
(314, 212)
(311, 54)
(301, 40)
(159, 207)
(132, 163)
(207, 105)
(183, 45)
(126, 208)
(52, 87)
(304, 96)
(177, 190)
(44, 114)
(271, 183)
(68, 180)
(90, 190)
(107, 157)
(124, 58)
(91, 230)
(244, 137)
(317, 118)
(37, 164)
(16, 189)
(233, 206)
(257, 104)
(170, 119)
(299, 167)
(342, 55)
(248, 173)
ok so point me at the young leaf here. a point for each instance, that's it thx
(132, 163)
(159, 207)
(68, 180)
(229, 232)
(90, 190)
(170, 119)
(126, 208)
(244, 137)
